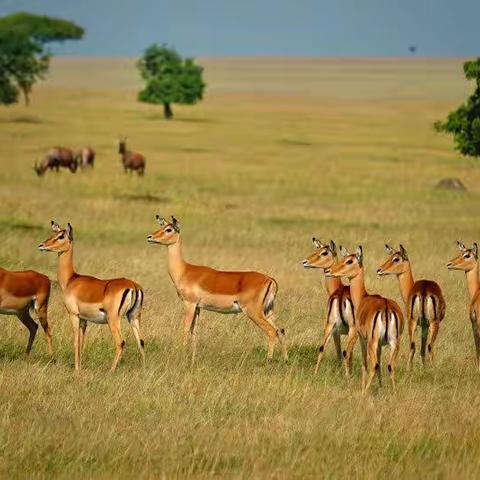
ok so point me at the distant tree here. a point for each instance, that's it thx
(412, 49)
(24, 58)
(169, 78)
(464, 122)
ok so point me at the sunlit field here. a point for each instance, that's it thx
(280, 150)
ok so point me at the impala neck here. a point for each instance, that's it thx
(176, 263)
(357, 288)
(472, 281)
(65, 267)
(332, 284)
(406, 282)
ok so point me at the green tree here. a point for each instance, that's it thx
(24, 58)
(169, 78)
(464, 122)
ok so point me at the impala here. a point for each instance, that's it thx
(21, 292)
(202, 287)
(467, 261)
(85, 157)
(424, 302)
(132, 161)
(89, 299)
(340, 316)
(379, 320)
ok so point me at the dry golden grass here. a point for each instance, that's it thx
(280, 150)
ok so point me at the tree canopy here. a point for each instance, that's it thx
(24, 58)
(464, 122)
(169, 78)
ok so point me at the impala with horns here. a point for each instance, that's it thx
(379, 320)
(89, 299)
(132, 161)
(467, 261)
(56, 158)
(424, 302)
(85, 157)
(340, 316)
(23, 292)
(202, 287)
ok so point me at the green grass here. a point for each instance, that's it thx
(280, 150)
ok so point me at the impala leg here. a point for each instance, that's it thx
(476, 338)
(114, 324)
(432, 336)
(75, 319)
(187, 321)
(425, 327)
(363, 344)
(280, 334)
(327, 333)
(135, 324)
(81, 340)
(193, 333)
(348, 353)
(372, 361)
(412, 328)
(28, 321)
(379, 363)
(42, 318)
(394, 349)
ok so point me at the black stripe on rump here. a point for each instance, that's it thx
(124, 296)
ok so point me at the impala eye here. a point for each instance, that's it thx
(467, 255)
(61, 237)
(169, 230)
(349, 262)
(396, 259)
(324, 253)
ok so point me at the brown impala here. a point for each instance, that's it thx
(340, 316)
(467, 261)
(22, 291)
(424, 302)
(379, 320)
(132, 161)
(88, 299)
(85, 157)
(57, 157)
(224, 292)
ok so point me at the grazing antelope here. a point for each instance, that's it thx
(57, 157)
(467, 261)
(21, 292)
(131, 160)
(85, 157)
(89, 299)
(379, 320)
(340, 316)
(224, 292)
(424, 302)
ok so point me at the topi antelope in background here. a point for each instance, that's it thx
(85, 157)
(89, 299)
(21, 292)
(202, 287)
(424, 302)
(56, 158)
(379, 320)
(340, 316)
(467, 261)
(132, 161)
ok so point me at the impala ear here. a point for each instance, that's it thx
(389, 249)
(475, 249)
(461, 246)
(160, 220)
(343, 251)
(175, 224)
(55, 226)
(316, 242)
(69, 231)
(333, 248)
(359, 255)
(403, 252)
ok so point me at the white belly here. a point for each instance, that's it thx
(234, 308)
(101, 318)
(8, 311)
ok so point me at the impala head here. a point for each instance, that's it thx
(324, 256)
(168, 234)
(396, 263)
(349, 266)
(122, 145)
(60, 241)
(466, 260)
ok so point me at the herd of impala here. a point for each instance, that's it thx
(375, 320)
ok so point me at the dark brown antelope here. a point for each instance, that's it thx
(132, 161)
(56, 158)
(21, 292)
(85, 157)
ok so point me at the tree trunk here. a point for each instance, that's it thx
(167, 111)
(26, 94)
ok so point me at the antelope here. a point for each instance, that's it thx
(204, 288)
(131, 160)
(340, 316)
(467, 261)
(85, 157)
(89, 299)
(57, 157)
(21, 292)
(379, 320)
(424, 302)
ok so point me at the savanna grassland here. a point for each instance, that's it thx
(279, 150)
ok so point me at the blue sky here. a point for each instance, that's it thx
(267, 27)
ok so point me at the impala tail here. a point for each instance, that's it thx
(270, 294)
(131, 302)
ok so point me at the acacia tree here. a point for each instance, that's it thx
(24, 58)
(464, 122)
(169, 78)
